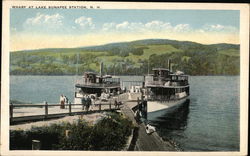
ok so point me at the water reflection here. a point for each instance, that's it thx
(175, 119)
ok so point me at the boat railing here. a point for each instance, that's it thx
(154, 83)
(56, 110)
(165, 98)
(162, 83)
(105, 84)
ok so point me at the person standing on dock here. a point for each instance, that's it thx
(116, 103)
(62, 102)
(84, 99)
(92, 100)
(88, 103)
(66, 101)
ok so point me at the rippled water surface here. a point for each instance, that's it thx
(209, 122)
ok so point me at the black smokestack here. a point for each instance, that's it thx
(169, 65)
(101, 68)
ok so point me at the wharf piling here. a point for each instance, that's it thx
(36, 144)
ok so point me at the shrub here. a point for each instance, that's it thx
(110, 133)
(138, 51)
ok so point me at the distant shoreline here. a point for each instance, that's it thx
(130, 58)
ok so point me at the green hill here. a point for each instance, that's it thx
(129, 58)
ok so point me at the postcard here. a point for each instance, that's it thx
(124, 78)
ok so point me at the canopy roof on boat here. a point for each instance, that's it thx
(184, 75)
(107, 76)
(92, 73)
(89, 73)
(165, 69)
(98, 86)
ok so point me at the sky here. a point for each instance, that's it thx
(68, 28)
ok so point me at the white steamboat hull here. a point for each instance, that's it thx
(157, 109)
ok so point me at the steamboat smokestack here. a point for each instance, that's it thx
(169, 65)
(101, 68)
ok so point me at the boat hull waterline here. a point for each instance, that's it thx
(157, 109)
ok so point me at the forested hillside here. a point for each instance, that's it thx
(129, 58)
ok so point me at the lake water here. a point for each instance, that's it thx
(210, 122)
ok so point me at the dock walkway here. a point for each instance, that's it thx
(145, 142)
(21, 113)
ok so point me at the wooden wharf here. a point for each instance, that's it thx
(21, 113)
(141, 141)
(144, 141)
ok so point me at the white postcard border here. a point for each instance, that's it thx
(244, 70)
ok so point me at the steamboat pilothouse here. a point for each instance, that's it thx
(165, 90)
(96, 85)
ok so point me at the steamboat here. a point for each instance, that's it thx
(165, 91)
(97, 86)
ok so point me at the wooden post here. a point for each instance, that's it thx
(36, 145)
(11, 111)
(100, 107)
(67, 133)
(146, 109)
(109, 105)
(70, 108)
(46, 108)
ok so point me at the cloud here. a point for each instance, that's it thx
(158, 25)
(165, 27)
(85, 22)
(127, 26)
(55, 20)
(108, 26)
(123, 25)
(219, 28)
(182, 28)
(152, 26)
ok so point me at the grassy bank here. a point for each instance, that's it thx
(108, 134)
